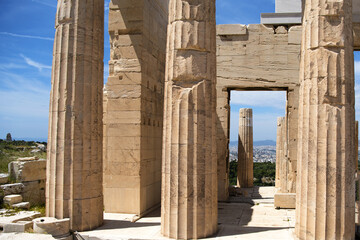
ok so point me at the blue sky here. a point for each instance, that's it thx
(26, 44)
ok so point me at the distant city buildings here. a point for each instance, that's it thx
(261, 153)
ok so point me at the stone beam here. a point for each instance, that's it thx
(74, 162)
(325, 187)
(189, 170)
(245, 172)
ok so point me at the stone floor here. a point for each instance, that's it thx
(249, 215)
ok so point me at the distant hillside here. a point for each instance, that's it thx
(257, 143)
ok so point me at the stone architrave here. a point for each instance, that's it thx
(245, 171)
(74, 163)
(325, 207)
(189, 168)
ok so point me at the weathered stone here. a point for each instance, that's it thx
(245, 173)
(28, 159)
(282, 163)
(34, 192)
(20, 226)
(13, 188)
(285, 200)
(12, 199)
(74, 159)
(357, 147)
(281, 30)
(133, 106)
(21, 216)
(28, 170)
(189, 168)
(261, 60)
(4, 178)
(53, 226)
(325, 206)
(21, 205)
(231, 29)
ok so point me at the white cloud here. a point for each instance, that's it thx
(25, 105)
(35, 64)
(49, 3)
(27, 36)
(276, 99)
(7, 66)
(357, 67)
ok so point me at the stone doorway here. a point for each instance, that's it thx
(253, 132)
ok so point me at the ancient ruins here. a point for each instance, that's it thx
(245, 175)
(157, 134)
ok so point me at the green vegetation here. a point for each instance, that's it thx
(264, 173)
(10, 151)
(233, 172)
(40, 209)
(13, 211)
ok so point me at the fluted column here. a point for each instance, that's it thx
(189, 169)
(279, 151)
(356, 146)
(325, 186)
(282, 163)
(74, 164)
(245, 172)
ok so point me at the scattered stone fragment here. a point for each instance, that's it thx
(4, 178)
(20, 216)
(28, 159)
(13, 188)
(29, 170)
(285, 200)
(12, 199)
(20, 226)
(55, 227)
(26, 236)
(21, 205)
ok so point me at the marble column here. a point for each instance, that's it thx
(74, 162)
(279, 151)
(356, 147)
(325, 185)
(245, 171)
(189, 168)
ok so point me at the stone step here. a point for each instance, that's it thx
(12, 199)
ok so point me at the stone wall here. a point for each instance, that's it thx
(256, 57)
(31, 173)
(133, 105)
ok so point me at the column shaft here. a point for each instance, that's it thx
(325, 184)
(280, 155)
(356, 147)
(189, 168)
(74, 162)
(245, 172)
